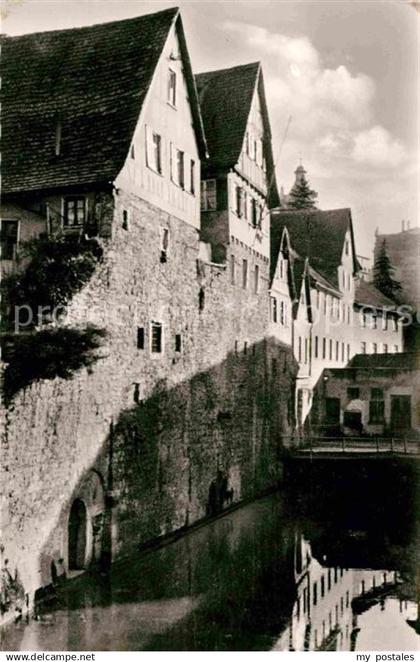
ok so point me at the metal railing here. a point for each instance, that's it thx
(360, 445)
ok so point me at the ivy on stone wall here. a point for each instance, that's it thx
(46, 354)
(54, 269)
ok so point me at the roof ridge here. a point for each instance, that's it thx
(309, 211)
(256, 63)
(169, 10)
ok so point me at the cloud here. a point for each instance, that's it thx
(377, 147)
(318, 98)
(352, 161)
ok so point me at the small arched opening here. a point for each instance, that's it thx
(77, 535)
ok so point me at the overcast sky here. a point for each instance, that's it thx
(345, 71)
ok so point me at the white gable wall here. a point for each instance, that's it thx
(175, 126)
(250, 174)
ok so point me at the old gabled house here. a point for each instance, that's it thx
(238, 185)
(336, 313)
(185, 409)
(97, 109)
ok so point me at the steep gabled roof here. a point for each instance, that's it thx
(318, 235)
(225, 98)
(88, 84)
(367, 294)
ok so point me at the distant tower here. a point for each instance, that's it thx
(300, 173)
(300, 176)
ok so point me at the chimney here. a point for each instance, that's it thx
(408, 225)
(403, 226)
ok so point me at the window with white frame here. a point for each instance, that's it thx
(239, 200)
(274, 309)
(192, 176)
(171, 87)
(180, 174)
(254, 213)
(282, 321)
(153, 150)
(156, 337)
(74, 211)
(208, 195)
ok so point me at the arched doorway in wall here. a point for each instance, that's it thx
(77, 535)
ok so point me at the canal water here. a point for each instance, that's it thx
(319, 576)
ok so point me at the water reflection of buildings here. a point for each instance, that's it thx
(329, 599)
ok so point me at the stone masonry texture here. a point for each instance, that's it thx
(150, 443)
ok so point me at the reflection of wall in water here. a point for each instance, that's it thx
(323, 617)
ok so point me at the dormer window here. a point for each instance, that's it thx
(172, 87)
(74, 211)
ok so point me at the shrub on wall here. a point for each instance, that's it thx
(57, 267)
(46, 354)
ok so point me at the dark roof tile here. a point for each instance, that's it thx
(401, 361)
(367, 294)
(225, 98)
(93, 82)
(318, 235)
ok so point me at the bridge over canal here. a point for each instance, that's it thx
(341, 448)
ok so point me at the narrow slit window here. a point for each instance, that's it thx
(244, 274)
(256, 279)
(172, 87)
(125, 219)
(164, 244)
(140, 337)
(192, 177)
(178, 342)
